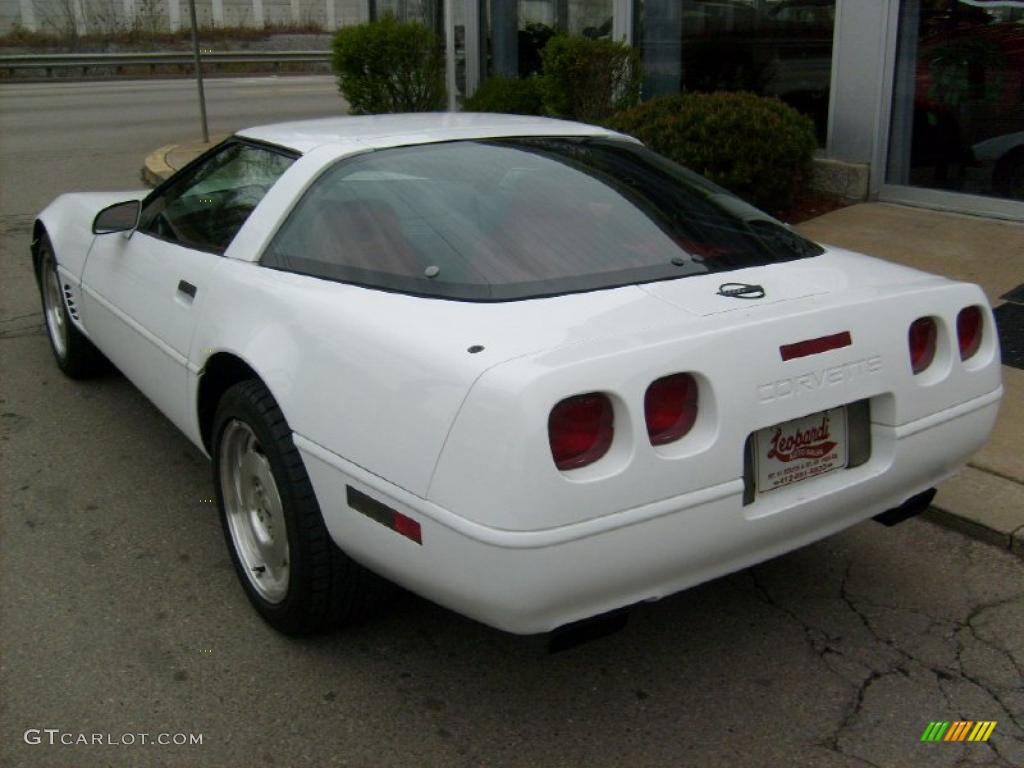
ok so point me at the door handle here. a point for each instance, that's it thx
(187, 288)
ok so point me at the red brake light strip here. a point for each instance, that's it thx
(815, 346)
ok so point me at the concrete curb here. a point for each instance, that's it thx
(155, 168)
(1014, 543)
(161, 163)
(983, 506)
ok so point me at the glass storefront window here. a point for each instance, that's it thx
(427, 12)
(519, 29)
(958, 97)
(777, 48)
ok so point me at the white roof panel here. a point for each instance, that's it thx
(417, 128)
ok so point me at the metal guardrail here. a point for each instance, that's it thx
(86, 61)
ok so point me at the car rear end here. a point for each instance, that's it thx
(595, 475)
(731, 392)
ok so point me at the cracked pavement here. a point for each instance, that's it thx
(119, 611)
(940, 649)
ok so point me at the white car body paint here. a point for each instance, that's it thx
(383, 396)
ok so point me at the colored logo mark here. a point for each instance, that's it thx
(959, 730)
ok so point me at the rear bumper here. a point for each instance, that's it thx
(534, 581)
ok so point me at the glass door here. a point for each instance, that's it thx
(957, 121)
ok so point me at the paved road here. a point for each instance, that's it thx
(94, 135)
(120, 614)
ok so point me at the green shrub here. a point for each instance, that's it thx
(389, 66)
(759, 148)
(507, 94)
(589, 80)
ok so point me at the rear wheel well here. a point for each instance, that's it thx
(221, 372)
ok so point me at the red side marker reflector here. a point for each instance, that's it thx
(383, 514)
(815, 346)
(407, 527)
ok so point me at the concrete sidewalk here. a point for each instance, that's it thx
(986, 500)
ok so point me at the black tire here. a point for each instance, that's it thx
(325, 588)
(76, 356)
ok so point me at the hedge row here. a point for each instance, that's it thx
(758, 148)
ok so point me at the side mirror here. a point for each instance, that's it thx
(119, 217)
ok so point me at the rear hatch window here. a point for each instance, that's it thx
(521, 218)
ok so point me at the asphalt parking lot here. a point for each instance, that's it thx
(120, 613)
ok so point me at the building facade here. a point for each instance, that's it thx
(914, 101)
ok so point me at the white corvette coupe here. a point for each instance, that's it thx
(525, 368)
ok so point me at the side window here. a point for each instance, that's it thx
(207, 206)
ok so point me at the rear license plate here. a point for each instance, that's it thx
(799, 449)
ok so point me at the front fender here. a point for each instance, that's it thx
(68, 223)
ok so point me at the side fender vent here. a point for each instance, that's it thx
(69, 299)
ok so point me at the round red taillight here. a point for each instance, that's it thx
(670, 407)
(922, 336)
(968, 331)
(580, 430)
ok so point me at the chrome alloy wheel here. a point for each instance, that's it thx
(254, 513)
(53, 305)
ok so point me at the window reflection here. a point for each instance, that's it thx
(518, 31)
(427, 12)
(777, 48)
(958, 103)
